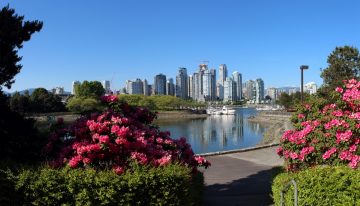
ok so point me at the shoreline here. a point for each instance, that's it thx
(276, 122)
(176, 115)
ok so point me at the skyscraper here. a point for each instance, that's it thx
(159, 85)
(73, 87)
(135, 87)
(229, 90)
(170, 87)
(191, 87)
(146, 88)
(250, 90)
(238, 80)
(106, 85)
(223, 73)
(260, 90)
(181, 84)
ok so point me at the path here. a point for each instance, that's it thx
(240, 178)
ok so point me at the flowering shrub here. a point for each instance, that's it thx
(116, 137)
(325, 133)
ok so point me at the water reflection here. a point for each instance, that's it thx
(217, 133)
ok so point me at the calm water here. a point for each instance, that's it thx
(217, 132)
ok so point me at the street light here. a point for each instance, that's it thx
(302, 68)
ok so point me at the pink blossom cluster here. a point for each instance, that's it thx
(325, 134)
(117, 137)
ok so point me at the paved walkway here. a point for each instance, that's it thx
(240, 178)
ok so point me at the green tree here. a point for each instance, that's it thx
(92, 89)
(20, 103)
(43, 101)
(344, 63)
(285, 100)
(84, 105)
(13, 32)
(18, 136)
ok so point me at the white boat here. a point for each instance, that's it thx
(227, 111)
(221, 111)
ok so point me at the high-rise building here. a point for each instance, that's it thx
(238, 80)
(106, 85)
(250, 90)
(272, 93)
(135, 87)
(146, 88)
(73, 87)
(170, 87)
(191, 87)
(181, 84)
(229, 91)
(260, 90)
(310, 88)
(223, 73)
(159, 87)
(197, 87)
(58, 90)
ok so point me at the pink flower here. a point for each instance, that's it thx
(343, 136)
(301, 116)
(354, 161)
(328, 153)
(109, 98)
(104, 139)
(293, 155)
(345, 155)
(74, 162)
(165, 160)
(339, 89)
(118, 170)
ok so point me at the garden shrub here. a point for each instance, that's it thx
(325, 134)
(322, 185)
(115, 138)
(173, 184)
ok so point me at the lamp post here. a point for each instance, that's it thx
(302, 68)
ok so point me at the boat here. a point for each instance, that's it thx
(227, 111)
(221, 111)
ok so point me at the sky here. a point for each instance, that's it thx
(120, 40)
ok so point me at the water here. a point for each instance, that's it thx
(217, 132)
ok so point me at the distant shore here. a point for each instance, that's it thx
(176, 115)
(276, 123)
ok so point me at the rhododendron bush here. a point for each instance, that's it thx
(325, 134)
(113, 139)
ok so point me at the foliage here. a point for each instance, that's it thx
(325, 133)
(320, 186)
(116, 137)
(290, 101)
(13, 32)
(142, 185)
(40, 101)
(19, 138)
(92, 89)
(84, 105)
(344, 63)
(158, 102)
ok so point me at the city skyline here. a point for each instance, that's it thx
(117, 41)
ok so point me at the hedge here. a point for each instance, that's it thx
(322, 185)
(173, 184)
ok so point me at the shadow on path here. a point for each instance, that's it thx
(232, 181)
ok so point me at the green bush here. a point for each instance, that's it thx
(170, 185)
(322, 185)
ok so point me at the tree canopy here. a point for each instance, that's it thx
(13, 32)
(344, 64)
(92, 89)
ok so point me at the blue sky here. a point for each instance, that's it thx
(128, 39)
